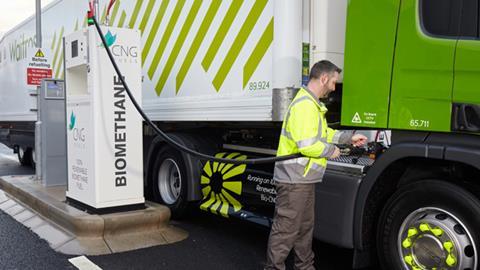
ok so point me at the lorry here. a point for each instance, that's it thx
(218, 77)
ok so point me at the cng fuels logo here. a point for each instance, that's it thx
(78, 134)
(123, 53)
(222, 186)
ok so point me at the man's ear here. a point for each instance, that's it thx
(324, 79)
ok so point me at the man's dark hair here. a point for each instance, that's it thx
(323, 67)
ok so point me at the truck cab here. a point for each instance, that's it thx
(410, 67)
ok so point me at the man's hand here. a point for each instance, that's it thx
(336, 153)
(359, 140)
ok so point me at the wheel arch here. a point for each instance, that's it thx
(192, 164)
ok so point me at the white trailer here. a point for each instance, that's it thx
(203, 60)
(218, 76)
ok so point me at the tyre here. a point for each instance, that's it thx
(25, 156)
(33, 158)
(169, 181)
(429, 225)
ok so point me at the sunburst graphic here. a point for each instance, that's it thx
(221, 185)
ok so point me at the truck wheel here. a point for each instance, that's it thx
(24, 156)
(169, 181)
(33, 158)
(429, 225)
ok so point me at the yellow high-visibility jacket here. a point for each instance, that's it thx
(305, 131)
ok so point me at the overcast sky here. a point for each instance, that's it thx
(15, 11)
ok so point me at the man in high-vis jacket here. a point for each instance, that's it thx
(304, 131)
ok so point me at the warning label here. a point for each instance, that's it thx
(35, 75)
(38, 68)
(368, 118)
(39, 53)
(356, 119)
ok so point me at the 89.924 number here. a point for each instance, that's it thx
(261, 85)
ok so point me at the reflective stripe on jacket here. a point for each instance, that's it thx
(305, 131)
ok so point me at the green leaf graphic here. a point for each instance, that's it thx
(72, 121)
(110, 38)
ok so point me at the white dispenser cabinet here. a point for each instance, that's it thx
(104, 131)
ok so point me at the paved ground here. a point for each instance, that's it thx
(22, 249)
(214, 243)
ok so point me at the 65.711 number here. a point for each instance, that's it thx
(419, 123)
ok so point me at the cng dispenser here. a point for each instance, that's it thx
(104, 131)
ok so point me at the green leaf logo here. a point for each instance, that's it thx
(110, 39)
(73, 119)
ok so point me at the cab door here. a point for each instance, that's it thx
(422, 82)
(466, 89)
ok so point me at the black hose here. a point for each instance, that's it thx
(165, 136)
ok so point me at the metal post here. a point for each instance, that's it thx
(97, 9)
(38, 139)
(38, 146)
(287, 54)
(38, 15)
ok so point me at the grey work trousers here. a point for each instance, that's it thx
(292, 227)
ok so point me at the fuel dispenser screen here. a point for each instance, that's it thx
(54, 90)
(74, 48)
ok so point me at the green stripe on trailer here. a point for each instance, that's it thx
(258, 53)
(59, 65)
(165, 38)
(178, 45)
(154, 30)
(115, 12)
(198, 40)
(104, 14)
(239, 42)
(123, 17)
(58, 47)
(146, 16)
(221, 33)
(133, 20)
(53, 41)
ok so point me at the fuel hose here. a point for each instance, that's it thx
(162, 134)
